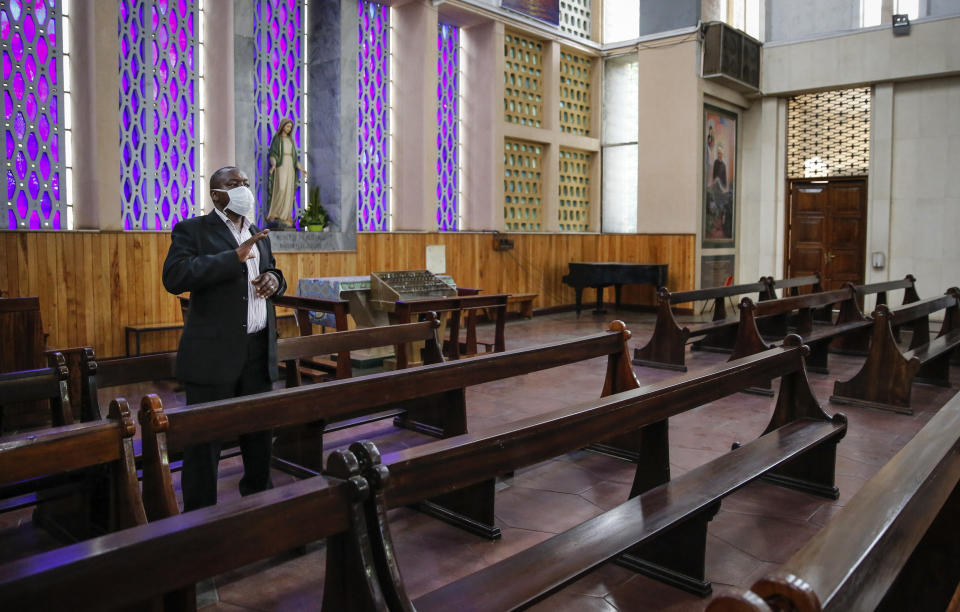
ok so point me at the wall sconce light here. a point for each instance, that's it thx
(901, 25)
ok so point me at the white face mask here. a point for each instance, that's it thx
(241, 200)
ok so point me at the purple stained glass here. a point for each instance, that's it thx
(17, 47)
(4, 26)
(11, 145)
(41, 11)
(55, 222)
(54, 110)
(30, 67)
(32, 147)
(21, 163)
(447, 165)
(29, 30)
(11, 185)
(55, 185)
(22, 206)
(7, 65)
(7, 105)
(31, 106)
(46, 205)
(18, 85)
(34, 220)
(11, 220)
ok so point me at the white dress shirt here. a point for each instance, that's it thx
(256, 305)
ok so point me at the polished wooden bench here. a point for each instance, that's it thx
(667, 347)
(525, 300)
(433, 397)
(666, 517)
(46, 388)
(892, 547)
(51, 468)
(302, 445)
(136, 568)
(857, 344)
(791, 287)
(302, 308)
(803, 309)
(887, 376)
(135, 331)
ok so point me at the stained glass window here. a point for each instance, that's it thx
(30, 41)
(280, 86)
(160, 126)
(373, 116)
(448, 128)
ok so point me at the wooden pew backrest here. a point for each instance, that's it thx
(44, 386)
(167, 432)
(206, 543)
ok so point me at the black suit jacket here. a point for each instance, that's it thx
(202, 260)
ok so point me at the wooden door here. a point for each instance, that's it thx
(826, 232)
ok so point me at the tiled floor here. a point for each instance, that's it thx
(756, 529)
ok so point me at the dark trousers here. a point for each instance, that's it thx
(200, 461)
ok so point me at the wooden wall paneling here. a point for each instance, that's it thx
(92, 284)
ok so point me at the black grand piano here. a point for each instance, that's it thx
(603, 274)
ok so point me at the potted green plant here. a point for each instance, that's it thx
(314, 218)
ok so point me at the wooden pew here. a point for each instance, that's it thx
(892, 547)
(45, 388)
(472, 305)
(803, 309)
(303, 306)
(433, 396)
(106, 373)
(857, 344)
(666, 517)
(134, 568)
(667, 347)
(302, 446)
(44, 466)
(886, 379)
(790, 287)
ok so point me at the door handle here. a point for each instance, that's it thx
(830, 256)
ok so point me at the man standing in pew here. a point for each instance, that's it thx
(229, 341)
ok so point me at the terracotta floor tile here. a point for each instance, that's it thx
(544, 511)
(765, 538)
(728, 565)
(607, 494)
(767, 499)
(556, 476)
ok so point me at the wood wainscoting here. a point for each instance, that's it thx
(92, 284)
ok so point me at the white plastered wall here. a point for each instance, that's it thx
(913, 206)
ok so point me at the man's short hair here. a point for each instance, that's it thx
(217, 178)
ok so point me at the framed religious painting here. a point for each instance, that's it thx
(719, 177)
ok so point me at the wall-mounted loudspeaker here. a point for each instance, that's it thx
(731, 57)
